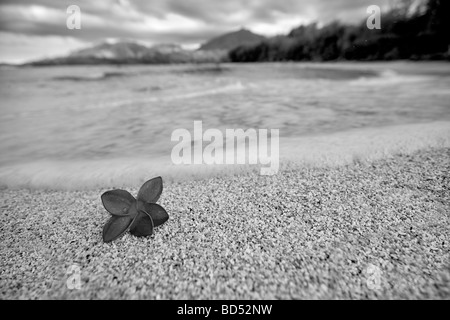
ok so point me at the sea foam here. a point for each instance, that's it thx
(335, 149)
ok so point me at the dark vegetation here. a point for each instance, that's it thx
(420, 33)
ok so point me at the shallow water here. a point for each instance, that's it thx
(86, 126)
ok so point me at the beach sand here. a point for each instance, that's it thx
(308, 233)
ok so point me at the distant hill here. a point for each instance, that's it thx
(129, 52)
(113, 51)
(232, 40)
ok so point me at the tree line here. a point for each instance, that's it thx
(420, 32)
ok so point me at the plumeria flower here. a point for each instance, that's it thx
(139, 216)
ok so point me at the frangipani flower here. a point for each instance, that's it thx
(139, 216)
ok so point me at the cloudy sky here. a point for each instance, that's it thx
(35, 29)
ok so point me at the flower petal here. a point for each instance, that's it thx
(117, 202)
(142, 225)
(151, 190)
(115, 227)
(156, 212)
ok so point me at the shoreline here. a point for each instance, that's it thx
(320, 151)
(305, 233)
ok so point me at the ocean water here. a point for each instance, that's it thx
(80, 127)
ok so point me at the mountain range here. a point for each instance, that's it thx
(131, 52)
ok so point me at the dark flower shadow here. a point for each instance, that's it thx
(140, 215)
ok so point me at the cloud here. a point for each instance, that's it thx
(147, 18)
(186, 22)
(20, 48)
